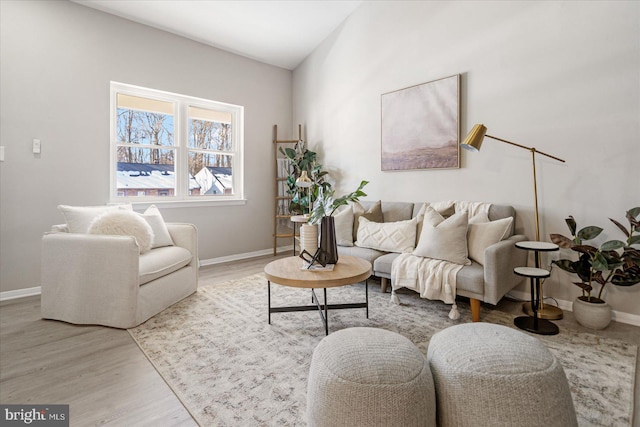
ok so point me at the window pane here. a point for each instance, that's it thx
(212, 172)
(209, 129)
(144, 121)
(151, 174)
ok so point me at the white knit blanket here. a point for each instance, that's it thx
(432, 278)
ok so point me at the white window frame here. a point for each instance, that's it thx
(181, 146)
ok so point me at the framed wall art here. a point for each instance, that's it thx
(421, 126)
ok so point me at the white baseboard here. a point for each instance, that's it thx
(246, 255)
(19, 293)
(618, 316)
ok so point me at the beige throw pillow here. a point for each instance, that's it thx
(343, 221)
(398, 236)
(160, 231)
(374, 213)
(444, 239)
(481, 235)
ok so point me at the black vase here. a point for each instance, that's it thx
(328, 247)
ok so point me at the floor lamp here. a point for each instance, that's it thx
(473, 142)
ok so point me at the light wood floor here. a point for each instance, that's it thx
(106, 379)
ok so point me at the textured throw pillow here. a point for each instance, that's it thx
(343, 221)
(444, 239)
(481, 235)
(445, 209)
(79, 218)
(398, 236)
(374, 213)
(161, 236)
(124, 223)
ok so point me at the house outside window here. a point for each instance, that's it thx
(170, 147)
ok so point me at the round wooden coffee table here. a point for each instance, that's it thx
(290, 272)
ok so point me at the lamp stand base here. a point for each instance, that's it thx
(550, 312)
(536, 326)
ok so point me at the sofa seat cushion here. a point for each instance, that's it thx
(162, 261)
(365, 253)
(383, 263)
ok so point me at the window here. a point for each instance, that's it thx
(170, 147)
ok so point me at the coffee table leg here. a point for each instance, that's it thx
(326, 313)
(269, 298)
(366, 295)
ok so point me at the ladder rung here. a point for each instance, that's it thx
(281, 179)
(286, 141)
(285, 235)
(284, 198)
(284, 216)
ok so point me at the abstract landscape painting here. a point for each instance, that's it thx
(421, 126)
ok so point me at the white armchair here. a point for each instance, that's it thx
(103, 280)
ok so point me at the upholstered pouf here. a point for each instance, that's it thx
(492, 375)
(369, 377)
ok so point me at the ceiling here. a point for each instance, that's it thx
(277, 32)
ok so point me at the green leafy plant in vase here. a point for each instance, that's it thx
(303, 160)
(614, 261)
(323, 208)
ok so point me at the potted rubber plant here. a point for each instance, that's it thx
(614, 261)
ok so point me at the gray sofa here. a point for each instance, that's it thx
(488, 283)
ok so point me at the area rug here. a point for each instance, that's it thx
(229, 367)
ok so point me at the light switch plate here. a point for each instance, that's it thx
(1, 154)
(36, 146)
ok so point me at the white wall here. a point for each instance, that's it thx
(57, 60)
(563, 77)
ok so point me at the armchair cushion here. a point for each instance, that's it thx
(162, 261)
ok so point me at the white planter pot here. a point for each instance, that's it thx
(592, 315)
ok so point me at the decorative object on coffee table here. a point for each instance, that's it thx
(323, 209)
(473, 142)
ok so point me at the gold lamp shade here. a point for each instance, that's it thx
(473, 140)
(303, 180)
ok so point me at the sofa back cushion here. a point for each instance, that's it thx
(392, 211)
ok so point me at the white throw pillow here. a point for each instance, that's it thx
(161, 236)
(481, 235)
(444, 239)
(398, 236)
(343, 221)
(79, 218)
(124, 223)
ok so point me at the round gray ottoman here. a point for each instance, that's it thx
(369, 377)
(493, 375)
